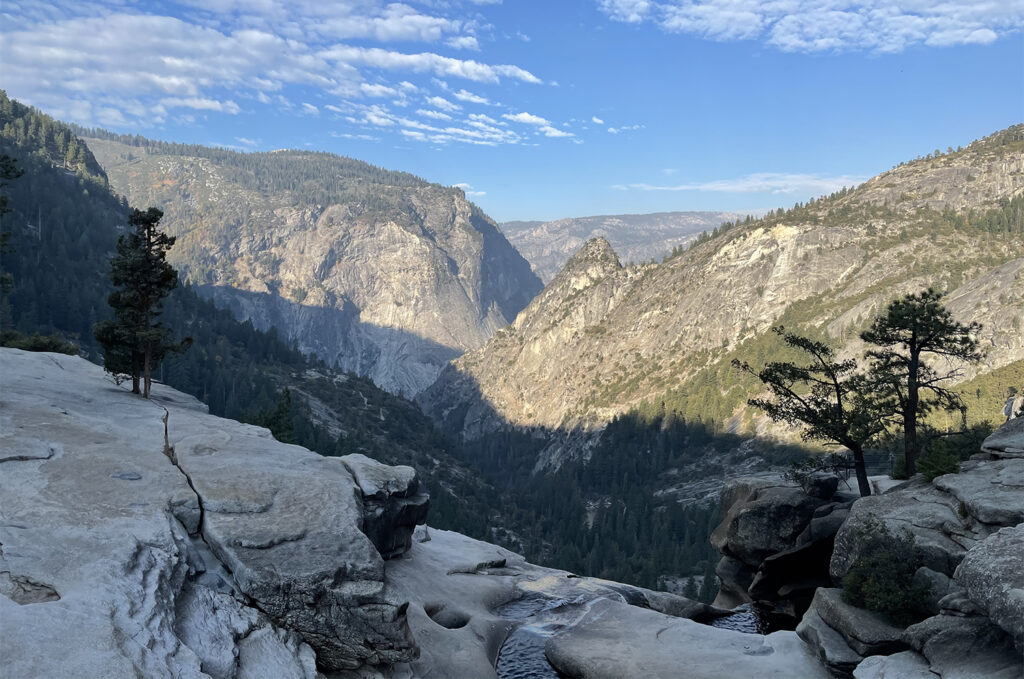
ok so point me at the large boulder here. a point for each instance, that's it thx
(614, 640)
(762, 518)
(866, 633)
(992, 574)
(1007, 441)
(828, 644)
(965, 648)
(393, 503)
(991, 492)
(933, 519)
(905, 665)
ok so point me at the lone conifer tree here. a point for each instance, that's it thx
(135, 341)
(914, 328)
(826, 396)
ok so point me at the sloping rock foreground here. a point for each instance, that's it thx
(208, 549)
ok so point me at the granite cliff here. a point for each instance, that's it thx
(380, 272)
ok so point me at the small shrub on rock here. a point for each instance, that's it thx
(938, 461)
(882, 577)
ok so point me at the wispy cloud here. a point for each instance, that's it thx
(468, 190)
(762, 182)
(829, 25)
(223, 56)
(624, 128)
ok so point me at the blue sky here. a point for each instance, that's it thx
(541, 109)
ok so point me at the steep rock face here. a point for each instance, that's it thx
(175, 543)
(638, 238)
(577, 357)
(386, 275)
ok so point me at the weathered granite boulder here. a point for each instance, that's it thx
(393, 503)
(1007, 441)
(761, 518)
(613, 640)
(938, 584)
(866, 633)
(828, 644)
(965, 648)
(905, 665)
(992, 492)
(203, 549)
(992, 574)
(932, 517)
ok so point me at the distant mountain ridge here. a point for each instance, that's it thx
(603, 339)
(379, 272)
(635, 237)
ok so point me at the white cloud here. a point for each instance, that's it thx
(463, 42)
(526, 118)
(220, 56)
(247, 142)
(309, 109)
(829, 25)
(463, 95)
(436, 115)
(554, 132)
(468, 190)
(624, 128)
(596, 120)
(762, 182)
(443, 104)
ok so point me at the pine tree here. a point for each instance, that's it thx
(135, 341)
(826, 396)
(913, 328)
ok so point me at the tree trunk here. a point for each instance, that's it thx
(911, 445)
(147, 371)
(860, 471)
(135, 384)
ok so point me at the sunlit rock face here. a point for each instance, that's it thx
(385, 274)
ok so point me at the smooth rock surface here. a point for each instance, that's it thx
(990, 491)
(112, 527)
(905, 665)
(614, 640)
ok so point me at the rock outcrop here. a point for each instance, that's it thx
(177, 544)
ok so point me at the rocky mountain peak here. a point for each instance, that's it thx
(593, 262)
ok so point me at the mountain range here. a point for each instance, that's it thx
(636, 238)
(604, 339)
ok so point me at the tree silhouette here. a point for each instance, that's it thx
(826, 396)
(135, 341)
(906, 384)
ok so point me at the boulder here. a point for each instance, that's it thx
(821, 485)
(991, 492)
(938, 584)
(929, 515)
(393, 503)
(761, 519)
(867, 633)
(905, 665)
(613, 640)
(965, 648)
(1007, 441)
(992, 574)
(828, 644)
